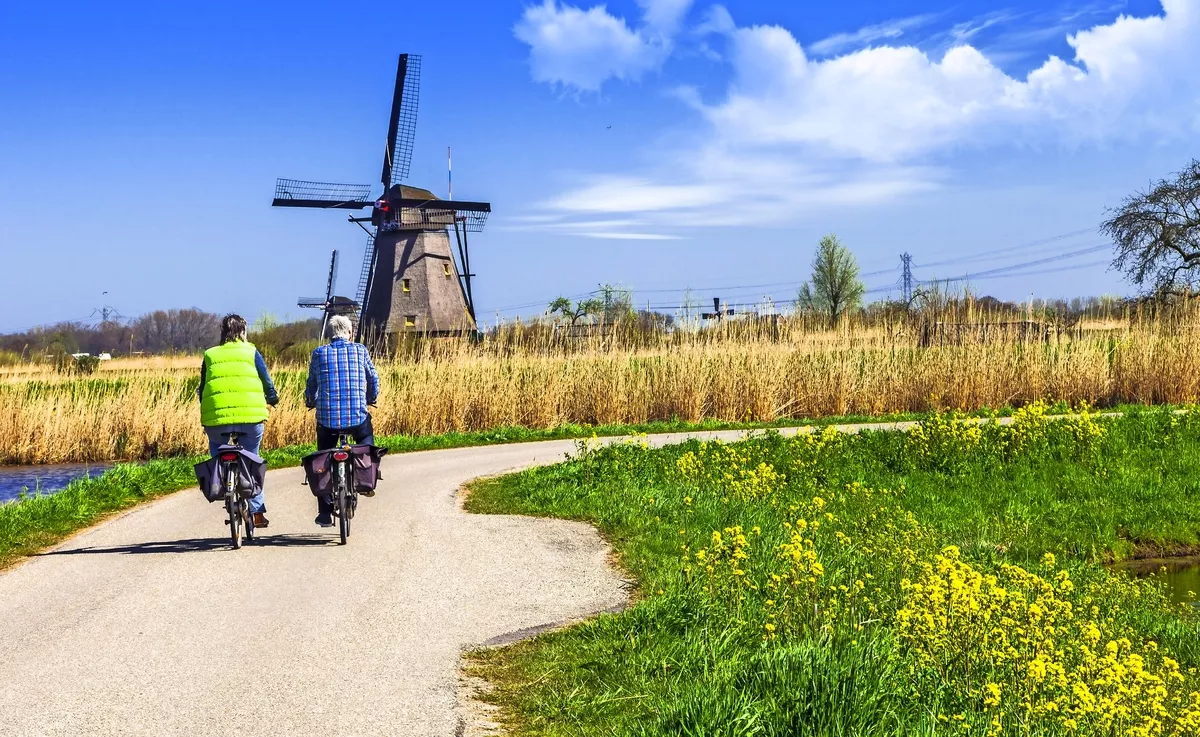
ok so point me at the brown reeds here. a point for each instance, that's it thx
(763, 370)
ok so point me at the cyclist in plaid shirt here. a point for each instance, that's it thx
(342, 381)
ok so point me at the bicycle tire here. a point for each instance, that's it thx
(343, 505)
(235, 517)
(249, 519)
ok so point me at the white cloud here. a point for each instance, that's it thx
(793, 134)
(584, 48)
(632, 236)
(868, 35)
(1133, 77)
(664, 15)
(716, 20)
(714, 188)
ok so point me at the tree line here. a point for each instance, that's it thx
(188, 330)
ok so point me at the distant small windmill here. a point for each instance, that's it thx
(410, 279)
(330, 305)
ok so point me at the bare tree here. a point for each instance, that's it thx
(1157, 235)
(835, 286)
(177, 330)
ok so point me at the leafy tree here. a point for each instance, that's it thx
(573, 313)
(1157, 235)
(835, 287)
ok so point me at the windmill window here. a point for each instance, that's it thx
(406, 285)
(446, 268)
(410, 321)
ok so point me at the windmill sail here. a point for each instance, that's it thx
(301, 193)
(364, 277)
(402, 127)
(333, 264)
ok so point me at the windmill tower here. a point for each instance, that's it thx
(330, 305)
(410, 280)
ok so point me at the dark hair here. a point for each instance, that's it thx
(233, 327)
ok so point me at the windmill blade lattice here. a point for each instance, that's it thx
(402, 128)
(364, 277)
(333, 266)
(302, 193)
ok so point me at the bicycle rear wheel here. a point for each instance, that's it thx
(235, 525)
(343, 503)
(231, 504)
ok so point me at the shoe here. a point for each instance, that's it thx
(260, 520)
(324, 520)
(367, 492)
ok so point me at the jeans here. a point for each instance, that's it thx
(250, 440)
(363, 434)
(327, 438)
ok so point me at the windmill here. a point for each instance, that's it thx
(410, 279)
(330, 305)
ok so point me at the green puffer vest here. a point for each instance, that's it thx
(233, 393)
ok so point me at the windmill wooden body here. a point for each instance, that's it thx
(411, 280)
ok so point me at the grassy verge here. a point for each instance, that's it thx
(35, 523)
(950, 580)
(32, 524)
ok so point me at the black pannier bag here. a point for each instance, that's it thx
(251, 474)
(364, 462)
(316, 470)
(366, 466)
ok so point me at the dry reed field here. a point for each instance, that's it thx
(146, 407)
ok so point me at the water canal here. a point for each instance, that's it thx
(1180, 575)
(48, 479)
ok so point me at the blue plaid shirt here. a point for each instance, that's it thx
(342, 381)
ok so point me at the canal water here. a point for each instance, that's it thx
(15, 480)
(1181, 575)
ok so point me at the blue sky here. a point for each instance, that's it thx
(654, 144)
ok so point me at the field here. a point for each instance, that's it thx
(145, 408)
(950, 580)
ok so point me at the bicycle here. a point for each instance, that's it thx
(236, 504)
(345, 496)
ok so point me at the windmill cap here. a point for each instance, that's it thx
(405, 192)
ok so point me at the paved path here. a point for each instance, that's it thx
(150, 625)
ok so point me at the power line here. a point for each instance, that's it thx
(1011, 249)
(1037, 262)
(905, 269)
(1055, 270)
(889, 287)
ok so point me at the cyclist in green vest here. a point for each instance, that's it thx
(234, 392)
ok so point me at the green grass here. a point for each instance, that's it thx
(693, 655)
(37, 522)
(34, 523)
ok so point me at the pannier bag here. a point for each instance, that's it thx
(251, 474)
(366, 466)
(316, 470)
(364, 462)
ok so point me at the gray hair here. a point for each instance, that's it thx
(339, 327)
